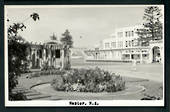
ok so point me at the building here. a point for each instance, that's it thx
(51, 54)
(123, 45)
(46, 54)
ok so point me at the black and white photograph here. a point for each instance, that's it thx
(84, 55)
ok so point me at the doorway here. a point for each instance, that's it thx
(156, 54)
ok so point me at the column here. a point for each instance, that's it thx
(30, 65)
(62, 59)
(150, 56)
(44, 55)
(141, 58)
(49, 56)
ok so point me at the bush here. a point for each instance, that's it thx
(17, 96)
(58, 84)
(89, 80)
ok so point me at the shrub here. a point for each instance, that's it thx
(89, 80)
(17, 96)
(58, 84)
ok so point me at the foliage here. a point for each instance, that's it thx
(67, 39)
(17, 55)
(67, 43)
(89, 80)
(17, 96)
(13, 29)
(16, 59)
(152, 26)
(35, 16)
(149, 97)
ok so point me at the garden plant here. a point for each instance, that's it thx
(88, 80)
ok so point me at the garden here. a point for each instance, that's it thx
(83, 80)
(88, 80)
(91, 80)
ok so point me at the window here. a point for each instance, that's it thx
(113, 44)
(132, 43)
(57, 53)
(129, 34)
(120, 44)
(135, 42)
(129, 43)
(126, 44)
(132, 34)
(113, 54)
(126, 34)
(120, 34)
(107, 45)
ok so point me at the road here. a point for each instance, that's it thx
(152, 71)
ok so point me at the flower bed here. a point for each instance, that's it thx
(89, 80)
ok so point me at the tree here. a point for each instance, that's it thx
(35, 16)
(53, 37)
(67, 42)
(67, 39)
(152, 26)
(17, 56)
(13, 29)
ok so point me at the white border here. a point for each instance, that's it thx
(66, 102)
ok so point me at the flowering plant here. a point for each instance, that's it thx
(89, 80)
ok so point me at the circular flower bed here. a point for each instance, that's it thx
(88, 80)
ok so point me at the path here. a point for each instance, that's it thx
(147, 71)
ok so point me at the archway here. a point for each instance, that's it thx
(156, 54)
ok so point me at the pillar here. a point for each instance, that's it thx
(162, 54)
(150, 56)
(49, 57)
(62, 59)
(141, 58)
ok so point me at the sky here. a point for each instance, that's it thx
(88, 25)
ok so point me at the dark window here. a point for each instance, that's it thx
(40, 53)
(57, 53)
(126, 44)
(132, 56)
(132, 33)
